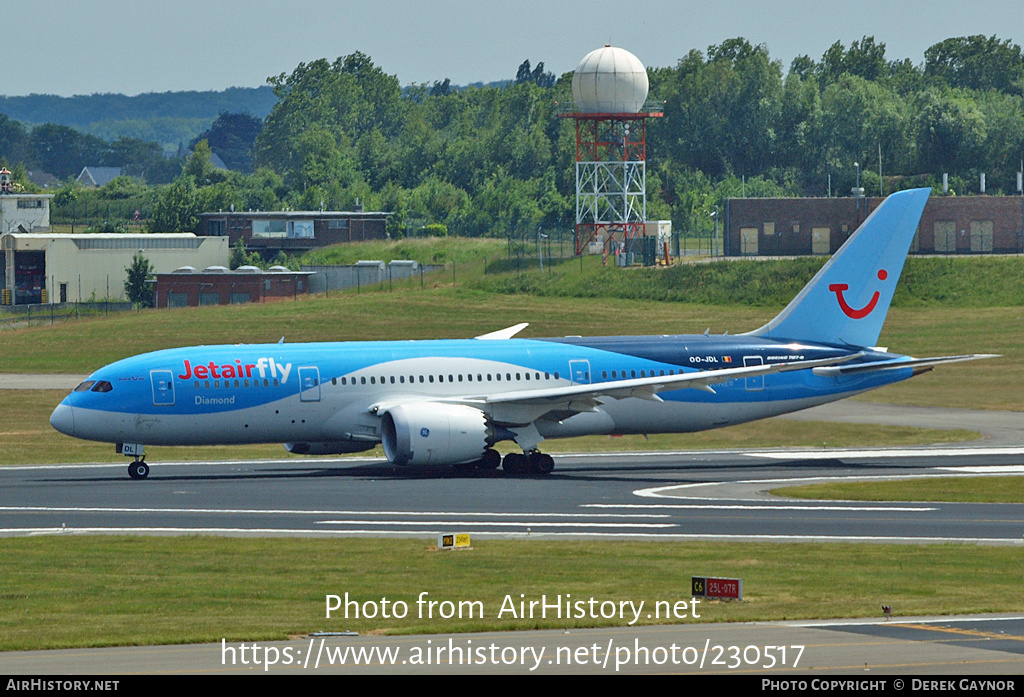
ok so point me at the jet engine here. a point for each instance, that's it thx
(427, 433)
(333, 448)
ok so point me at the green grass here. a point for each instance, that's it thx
(1008, 489)
(95, 591)
(428, 250)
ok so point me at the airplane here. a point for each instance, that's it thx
(448, 402)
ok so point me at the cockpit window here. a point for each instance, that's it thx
(84, 387)
(102, 386)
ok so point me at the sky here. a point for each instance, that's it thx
(69, 47)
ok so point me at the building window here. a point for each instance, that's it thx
(239, 298)
(209, 298)
(269, 228)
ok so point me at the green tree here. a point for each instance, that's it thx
(137, 285)
(177, 207)
(977, 62)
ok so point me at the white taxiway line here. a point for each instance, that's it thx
(669, 491)
(903, 452)
(754, 505)
(524, 535)
(256, 511)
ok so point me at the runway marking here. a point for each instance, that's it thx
(758, 506)
(903, 621)
(109, 509)
(986, 469)
(509, 534)
(965, 632)
(501, 523)
(903, 452)
(663, 491)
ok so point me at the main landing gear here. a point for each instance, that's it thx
(533, 462)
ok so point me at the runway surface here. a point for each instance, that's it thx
(682, 495)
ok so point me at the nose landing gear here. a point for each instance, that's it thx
(138, 469)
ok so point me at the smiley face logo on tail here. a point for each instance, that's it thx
(839, 288)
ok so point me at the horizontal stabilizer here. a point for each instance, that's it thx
(897, 364)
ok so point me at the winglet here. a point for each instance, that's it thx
(506, 333)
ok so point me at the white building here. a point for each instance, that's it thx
(21, 212)
(84, 267)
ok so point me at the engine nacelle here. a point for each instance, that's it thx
(340, 447)
(427, 433)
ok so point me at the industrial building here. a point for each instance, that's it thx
(796, 226)
(58, 268)
(293, 232)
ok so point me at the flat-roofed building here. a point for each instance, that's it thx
(217, 285)
(796, 226)
(293, 232)
(57, 268)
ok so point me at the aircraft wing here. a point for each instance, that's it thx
(525, 406)
(506, 333)
(918, 364)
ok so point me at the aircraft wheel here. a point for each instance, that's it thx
(490, 461)
(541, 464)
(514, 464)
(138, 470)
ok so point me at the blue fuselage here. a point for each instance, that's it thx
(328, 392)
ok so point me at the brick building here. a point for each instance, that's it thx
(794, 226)
(293, 232)
(216, 285)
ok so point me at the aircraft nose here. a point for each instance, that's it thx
(63, 419)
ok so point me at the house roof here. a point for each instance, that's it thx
(98, 176)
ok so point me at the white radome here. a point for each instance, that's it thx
(610, 80)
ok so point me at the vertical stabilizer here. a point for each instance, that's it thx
(847, 300)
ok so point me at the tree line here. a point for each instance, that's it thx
(497, 160)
